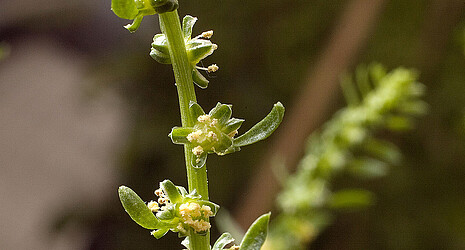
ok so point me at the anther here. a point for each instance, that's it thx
(212, 68)
(153, 206)
(207, 34)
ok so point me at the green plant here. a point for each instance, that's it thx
(378, 100)
(176, 209)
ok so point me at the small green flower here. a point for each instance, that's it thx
(214, 132)
(197, 48)
(137, 9)
(174, 210)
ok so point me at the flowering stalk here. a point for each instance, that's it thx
(196, 177)
(201, 134)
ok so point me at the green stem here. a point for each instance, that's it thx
(197, 178)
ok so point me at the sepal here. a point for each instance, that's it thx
(199, 79)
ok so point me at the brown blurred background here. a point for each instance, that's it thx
(84, 109)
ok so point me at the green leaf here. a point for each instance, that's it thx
(179, 135)
(222, 112)
(160, 233)
(195, 110)
(171, 191)
(125, 9)
(349, 90)
(383, 150)
(135, 24)
(256, 235)
(367, 167)
(222, 241)
(264, 128)
(187, 24)
(199, 79)
(351, 199)
(136, 208)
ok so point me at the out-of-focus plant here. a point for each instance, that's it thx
(176, 209)
(377, 100)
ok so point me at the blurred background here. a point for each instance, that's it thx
(84, 109)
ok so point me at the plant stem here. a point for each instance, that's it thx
(197, 178)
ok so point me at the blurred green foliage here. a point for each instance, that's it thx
(376, 100)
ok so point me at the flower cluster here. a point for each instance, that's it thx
(214, 132)
(197, 48)
(174, 210)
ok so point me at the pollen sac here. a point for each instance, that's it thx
(137, 9)
(211, 133)
(197, 49)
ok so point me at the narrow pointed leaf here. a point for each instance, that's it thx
(171, 191)
(351, 199)
(136, 208)
(399, 122)
(222, 241)
(125, 9)
(264, 128)
(383, 150)
(135, 24)
(160, 233)
(222, 112)
(195, 110)
(256, 234)
(187, 24)
(362, 80)
(179, 135)
(199, 79)
(367, 167)
(349, 91)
